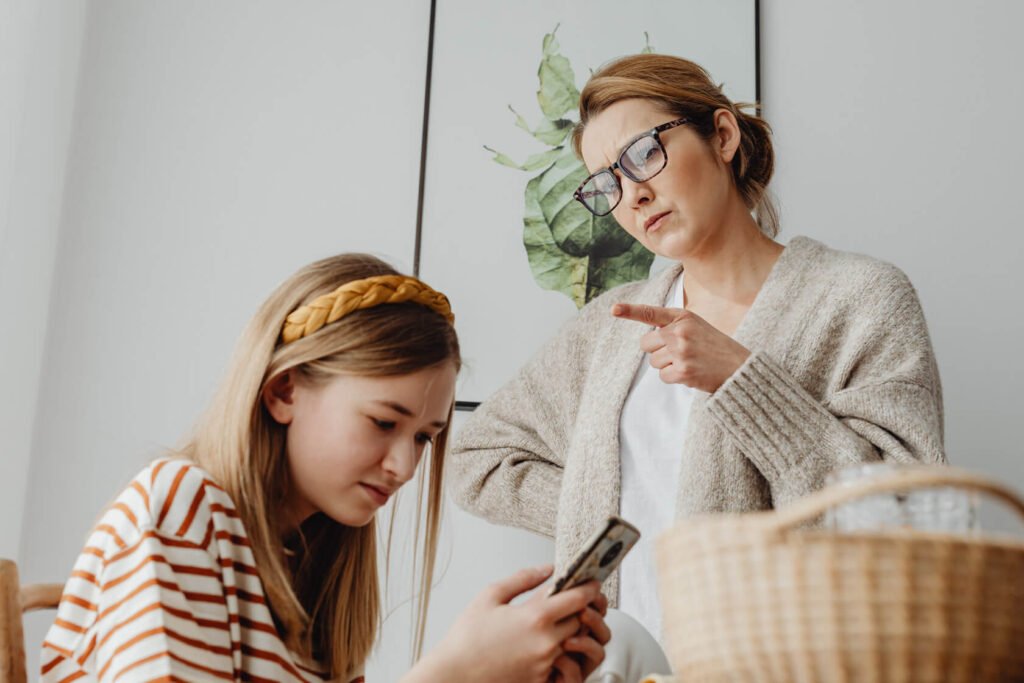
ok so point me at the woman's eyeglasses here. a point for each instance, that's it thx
(642, 159)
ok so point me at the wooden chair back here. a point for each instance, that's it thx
(15, 600)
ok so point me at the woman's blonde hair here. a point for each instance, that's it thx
(326, 604)
(684, 88)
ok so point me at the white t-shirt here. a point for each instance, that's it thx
(651, 434)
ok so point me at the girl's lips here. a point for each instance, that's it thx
(376, 494)
(654, 222)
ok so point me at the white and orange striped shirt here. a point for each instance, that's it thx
(166, 590)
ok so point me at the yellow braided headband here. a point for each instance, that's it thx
(365, 293)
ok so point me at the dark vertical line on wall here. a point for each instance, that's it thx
(459, 405)
(757, 51)
(423, 141)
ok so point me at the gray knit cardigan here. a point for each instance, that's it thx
(841, 371)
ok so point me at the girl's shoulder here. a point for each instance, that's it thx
(176, 498)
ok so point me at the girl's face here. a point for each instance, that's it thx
(677, 211)
(354, 440)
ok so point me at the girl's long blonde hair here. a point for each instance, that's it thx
(327, 605)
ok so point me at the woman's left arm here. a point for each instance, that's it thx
(882, 399)
(795, 440)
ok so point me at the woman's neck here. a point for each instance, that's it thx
(731, 266)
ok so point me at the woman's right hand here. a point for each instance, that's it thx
(493, 640)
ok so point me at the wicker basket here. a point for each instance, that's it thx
(761, 597)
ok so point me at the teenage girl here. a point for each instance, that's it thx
(251, 553)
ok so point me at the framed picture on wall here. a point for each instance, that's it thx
(499, 231)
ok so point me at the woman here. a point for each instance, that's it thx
(252, 555)
(735, 380)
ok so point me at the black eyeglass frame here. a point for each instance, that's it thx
(654, 133)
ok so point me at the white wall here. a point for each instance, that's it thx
(40, 42)
(897, 134)
(894, 130)
(217, 147)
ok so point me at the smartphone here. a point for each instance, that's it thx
(600, 555)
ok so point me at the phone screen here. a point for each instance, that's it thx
(600, 555)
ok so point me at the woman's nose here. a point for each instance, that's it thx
(635, 194)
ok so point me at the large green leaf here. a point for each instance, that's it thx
(568, 248)
(629, 266)
(552, 268)
(547, 131)
(574, 229)
(558, 93)
(532, 163)
(591, 258)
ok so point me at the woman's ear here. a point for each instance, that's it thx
(727, 135)
(279, 397)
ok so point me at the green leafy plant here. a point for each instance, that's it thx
(569, 249)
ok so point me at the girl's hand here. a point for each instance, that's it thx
(586, 647)
(684, 347)
(493, 640)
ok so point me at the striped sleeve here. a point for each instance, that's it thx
(145, 602)
(167, 589)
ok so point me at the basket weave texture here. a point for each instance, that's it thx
(763, 597)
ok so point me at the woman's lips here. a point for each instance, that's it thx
(654, 222)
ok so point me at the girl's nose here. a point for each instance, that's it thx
(401, 460)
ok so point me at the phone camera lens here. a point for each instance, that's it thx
(612, 553)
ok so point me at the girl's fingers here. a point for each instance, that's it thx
(569, 670)
(596, 625)
(589, 648)
(572, 601)
(566, 628)
(502, 592)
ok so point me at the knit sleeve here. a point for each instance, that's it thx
(888, 406)
(507, 459)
